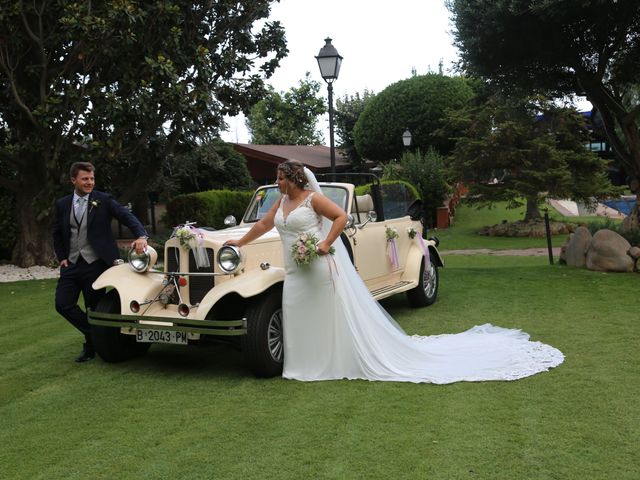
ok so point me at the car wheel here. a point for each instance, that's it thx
(109, 343)
(427, 290)
(263, 345)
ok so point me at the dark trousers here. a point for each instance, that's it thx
(76, 278)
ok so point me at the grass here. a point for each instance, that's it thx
(468, 220)
(198, 413)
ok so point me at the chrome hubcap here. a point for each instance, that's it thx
(429, 280)
(275, 336)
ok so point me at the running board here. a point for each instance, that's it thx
(389, 290)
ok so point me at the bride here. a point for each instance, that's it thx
(334, 329)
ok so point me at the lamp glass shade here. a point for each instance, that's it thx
(406, 138)
(329, 61)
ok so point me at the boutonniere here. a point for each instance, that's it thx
(93, 204)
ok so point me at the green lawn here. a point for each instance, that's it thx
(468, 220)
(198, 413)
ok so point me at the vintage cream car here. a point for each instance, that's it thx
(237, 298)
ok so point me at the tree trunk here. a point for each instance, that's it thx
(34, 244)
(532, 210)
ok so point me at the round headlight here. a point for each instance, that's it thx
(141, 262)
(230, 259)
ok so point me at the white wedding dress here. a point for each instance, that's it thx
(334, 329)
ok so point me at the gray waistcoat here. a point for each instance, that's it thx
(79, 245)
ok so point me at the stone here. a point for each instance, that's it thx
(575, 249)
(634, 252)
(608, 253)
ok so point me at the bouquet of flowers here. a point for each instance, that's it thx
(391, 233)
(185, 235)
(305, 249)
(191, 238)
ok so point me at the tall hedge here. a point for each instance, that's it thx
(418, 104)
(208, 208)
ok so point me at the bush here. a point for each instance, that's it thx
(208, 209)
(427, 172)
(397, 196)
(418, 104)
(632, 236)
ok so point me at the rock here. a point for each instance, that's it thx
(608, 253)
(575, 249)
(634, 252)
(535, 228)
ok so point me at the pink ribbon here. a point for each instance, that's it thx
(393, 254)
(332, 267)
(424, 248)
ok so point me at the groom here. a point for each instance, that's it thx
(85, 246)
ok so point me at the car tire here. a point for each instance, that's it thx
(263, 346)
(111, 345)
(427, 290)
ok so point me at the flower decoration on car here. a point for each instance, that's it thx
(392, 249)
(391, 233)
(305, 249)
(184, 236)
(93, 204)
(191, 238)
(411, 232)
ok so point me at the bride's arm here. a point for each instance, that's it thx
(261, 227)
(325, 207)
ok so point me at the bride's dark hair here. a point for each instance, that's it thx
(294, 172)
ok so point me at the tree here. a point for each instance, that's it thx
(572, 46)
(130, 80)
(526, 148)
(214, 165)
(348, 110)
(419, 104)
(288, 118)
(427, 172)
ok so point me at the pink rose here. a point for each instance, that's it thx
(302, 249)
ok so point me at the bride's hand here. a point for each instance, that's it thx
(232, 242)
(323, 247)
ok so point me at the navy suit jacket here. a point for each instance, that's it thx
(98, 219)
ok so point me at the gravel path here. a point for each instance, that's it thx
(11, 273)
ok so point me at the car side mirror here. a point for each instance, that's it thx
(230, 221)
(350, 221)
(372, 216)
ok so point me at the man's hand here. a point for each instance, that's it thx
(139, 244)
(64, 263)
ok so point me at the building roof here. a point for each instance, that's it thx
(316, 157)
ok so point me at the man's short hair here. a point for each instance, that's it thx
(77, 166)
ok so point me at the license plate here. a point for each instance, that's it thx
(161, 336)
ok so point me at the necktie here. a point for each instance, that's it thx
(81, 204)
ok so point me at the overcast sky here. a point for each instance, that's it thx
(381, 42)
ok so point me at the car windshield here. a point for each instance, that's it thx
(265, 197)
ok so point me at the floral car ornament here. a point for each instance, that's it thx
(392, 247)
(191, 238)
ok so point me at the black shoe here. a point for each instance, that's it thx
(86, 355)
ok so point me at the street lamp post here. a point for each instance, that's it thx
(329, 61)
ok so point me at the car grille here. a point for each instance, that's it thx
(198, 286)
